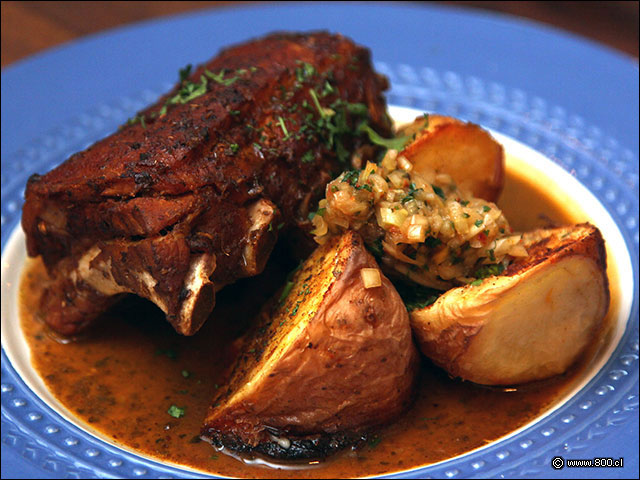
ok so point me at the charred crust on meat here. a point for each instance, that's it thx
(142, 178)
(185, 152)
(93, 185)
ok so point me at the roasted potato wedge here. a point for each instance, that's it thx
(531, 322)
(334, 359)
(462, 150)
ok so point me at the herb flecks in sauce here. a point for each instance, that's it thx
(176, 411)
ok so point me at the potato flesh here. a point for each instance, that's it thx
(522, 327)
(464, 151)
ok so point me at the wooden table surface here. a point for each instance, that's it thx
(29, 27)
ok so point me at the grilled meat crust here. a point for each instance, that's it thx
(188, 175)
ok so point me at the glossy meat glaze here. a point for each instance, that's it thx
(192, 193)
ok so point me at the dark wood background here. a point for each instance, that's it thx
(29, 27)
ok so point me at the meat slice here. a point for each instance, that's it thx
(192, 193)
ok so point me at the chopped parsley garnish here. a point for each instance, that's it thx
(359, 109)
(438, 191)
(328, 89)
(137, 119)
(304, 71)
(476, 282)
(332, 127)
(283, 127)
(376, 247)
(188, 92)
(285, 291)
(486, 208)
(168, 352)
(417, 296)
(184, 73)
(432, 242)
(351, 177)
(307, 157)
(411, 193)
(219, 77)
(477, 223)
(320, 212)
(295, 309)
(234, 147)
(324, 112)
(186, 373)
(374, 441)
(176, 412)
(397, 143)
(464, 203)
(489, 270)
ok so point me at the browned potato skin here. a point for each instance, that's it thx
(329, 363)
(465, 151)
(531, 322)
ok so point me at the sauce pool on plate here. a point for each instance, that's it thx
(134, 382)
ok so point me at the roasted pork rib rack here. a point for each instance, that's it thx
(192, 193)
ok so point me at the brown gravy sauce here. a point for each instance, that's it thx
(121, 378)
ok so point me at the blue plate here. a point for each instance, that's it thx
(572, 100)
